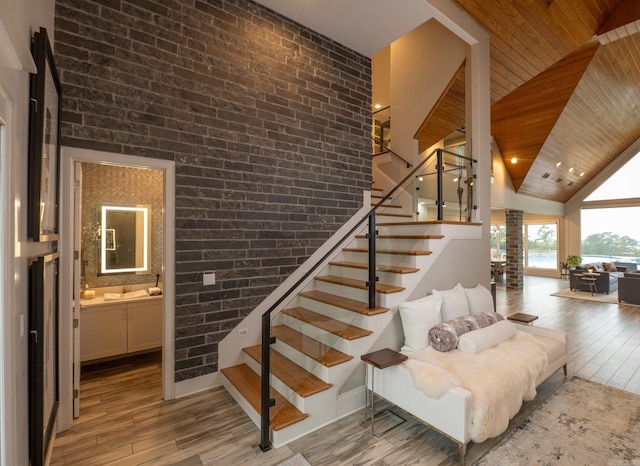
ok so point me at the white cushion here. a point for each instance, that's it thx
(479, 299)
(418, 317)
(487, 337)
(454, 303)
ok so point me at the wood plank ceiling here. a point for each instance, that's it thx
(565, 87)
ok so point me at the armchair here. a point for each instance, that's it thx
(629, 288)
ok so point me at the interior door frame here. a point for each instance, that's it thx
(69, 157)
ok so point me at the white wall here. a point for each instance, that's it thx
(18, 20)
(420, 69)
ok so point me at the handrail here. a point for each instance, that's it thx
(386, 149)
(265, 401)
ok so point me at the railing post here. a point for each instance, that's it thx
(371, 284)
(266, 402)
(439, 171)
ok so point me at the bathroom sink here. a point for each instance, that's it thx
(130, 295)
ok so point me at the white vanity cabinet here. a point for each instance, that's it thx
(144, 329)
(112, 329)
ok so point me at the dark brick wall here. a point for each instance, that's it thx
(268, 124)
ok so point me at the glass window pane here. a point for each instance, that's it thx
(623, 184)
(542, 246)
(610, 234)
(498, 242)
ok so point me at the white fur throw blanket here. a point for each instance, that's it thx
(499, 379)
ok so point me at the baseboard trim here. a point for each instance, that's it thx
(197, 384)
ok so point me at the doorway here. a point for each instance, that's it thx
(74, 266)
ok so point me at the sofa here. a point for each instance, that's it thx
(451, 402)
(631, 266)
(606, 281)
(629, 288)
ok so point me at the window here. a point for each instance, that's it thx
(498, 242)
(608, 224)
(541, 247)
(610, 234)
(623, 184)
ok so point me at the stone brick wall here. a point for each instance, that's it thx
(515, 250)
(268, 124)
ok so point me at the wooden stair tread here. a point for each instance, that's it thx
(403, 236)
(359, 284)
(343, 303)
(391, 251)
(298, 379)
(429, 222)
(316, 350)
(247, 382)
(387, 214)
(379, 268)
(333, 326)
(387, 206)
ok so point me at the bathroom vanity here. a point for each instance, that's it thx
(119, 326)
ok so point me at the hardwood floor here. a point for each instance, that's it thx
(125, 422)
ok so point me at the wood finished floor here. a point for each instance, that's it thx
(125, 422)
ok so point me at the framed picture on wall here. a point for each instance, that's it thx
(44, 143)
(43, 354)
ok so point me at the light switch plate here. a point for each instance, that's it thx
(209, 278)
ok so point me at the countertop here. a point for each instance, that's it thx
(99, 301)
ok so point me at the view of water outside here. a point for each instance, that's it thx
(611, 234)
(542, 246)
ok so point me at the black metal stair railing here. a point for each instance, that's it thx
(266, 402)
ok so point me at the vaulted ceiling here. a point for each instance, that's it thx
(565, 87)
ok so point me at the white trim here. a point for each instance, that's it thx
(7, 411)
(69, 156)
(197, 384)
(15, 51)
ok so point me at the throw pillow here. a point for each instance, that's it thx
(418, 317)
(609, 267)
(479, 299)
(454, 303)
(444, 337)
(487, 337)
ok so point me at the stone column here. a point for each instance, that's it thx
(515, 250)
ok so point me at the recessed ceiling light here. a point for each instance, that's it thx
(455, 180)
(514, 160)
(558, 164)
(581, 173)
(377, 106)
(571, 170)
(420, 178)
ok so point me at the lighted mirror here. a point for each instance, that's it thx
(124, 239)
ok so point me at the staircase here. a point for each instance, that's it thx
(321, 334)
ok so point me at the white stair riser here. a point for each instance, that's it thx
(386, 259)
(337, 313)
(346, 346)
(387, 278)
(341, 290)
(397, 243)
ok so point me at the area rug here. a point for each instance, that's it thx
(582, 423)
(585, 295)
(297, 460)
